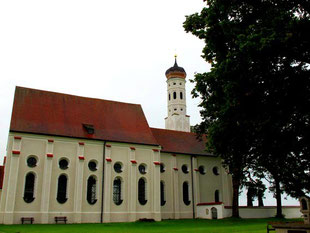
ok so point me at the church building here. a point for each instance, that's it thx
(87, 160)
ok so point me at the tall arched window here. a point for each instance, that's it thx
(62, 189)
(142, 191)
(217, 196)
(117, 191)
(91, 190)
(162, 193)
(174, 95)
(181, 95)
(29, 188)
(186, 193)
(169, 96)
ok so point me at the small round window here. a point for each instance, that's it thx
(63, 164)
(142, 169)
(215, 171)
(202, 170)
(92, 165)
(32, 161)
(162, 168)
(185, 169)
(118, 167)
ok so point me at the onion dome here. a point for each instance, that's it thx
(175, 71)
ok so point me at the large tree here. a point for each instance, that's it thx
(256, 98)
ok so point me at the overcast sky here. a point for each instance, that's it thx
(115, 50)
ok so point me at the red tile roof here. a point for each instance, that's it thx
(180, 142)
(49, 113)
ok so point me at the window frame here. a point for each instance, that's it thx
(91, 191)
(29, 190)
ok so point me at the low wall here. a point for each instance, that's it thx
(203, 211)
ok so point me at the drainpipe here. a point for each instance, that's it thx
(193, 193)
(102, 195)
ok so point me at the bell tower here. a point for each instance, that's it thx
(176, 98)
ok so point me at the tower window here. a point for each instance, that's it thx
(181, 109)
(174, 95)
(174, 83)
(142, 191)
(181, 95)
(117, 189)
(180, 83)
(186, 193)
(62, 189)
(175, 109)
(91, 190)
(169, 96)
(29, 188)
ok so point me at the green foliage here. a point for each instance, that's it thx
(256, 97)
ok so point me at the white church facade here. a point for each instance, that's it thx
(92, 160)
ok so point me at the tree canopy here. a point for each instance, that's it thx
(256, 97)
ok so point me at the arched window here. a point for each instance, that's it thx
(91, 190)
(62, 189)
(169, 96)
(181, 95)
(162, 193)
(186, 193)
(29, 188)
(117, 191)
(217, 196)
(174, 95)
(142, 191)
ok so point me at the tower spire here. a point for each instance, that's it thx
(177, 118)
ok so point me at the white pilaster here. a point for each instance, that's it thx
(79, 184)
(156, 185)
(195, 183)
(175, 182)
(46, 185)
(132, 185)
(12, 182)
(107, 185)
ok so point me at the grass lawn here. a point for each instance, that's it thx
(189, 225)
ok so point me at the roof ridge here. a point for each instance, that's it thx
(173, 130)
(65, 94)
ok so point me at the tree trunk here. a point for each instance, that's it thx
(278, 198)
(235, 204)
(260, 200)
(250, 197)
